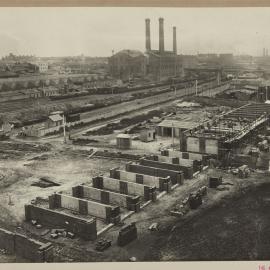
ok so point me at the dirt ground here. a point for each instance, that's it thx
(66, 165)
(232, 223)
(228, 226)
(203, 234)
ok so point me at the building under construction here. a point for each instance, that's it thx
(223, 135)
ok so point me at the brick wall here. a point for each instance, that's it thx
(85, 229)
(25, 247)
(158, 182)
(175, 176)
(187, 170)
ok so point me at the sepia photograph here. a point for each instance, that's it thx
(134, 134)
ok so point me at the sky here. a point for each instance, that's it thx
(96, 31)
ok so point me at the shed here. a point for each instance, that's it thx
(148, 135)
(172, 126)
(54, 120)
(123, 141)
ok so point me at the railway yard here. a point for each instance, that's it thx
(104, 192)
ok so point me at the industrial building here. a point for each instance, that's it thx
(155, 64)
(162, 63)
(223, 135)
(127, 64)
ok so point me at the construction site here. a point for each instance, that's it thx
(103, 193)
(172, 170)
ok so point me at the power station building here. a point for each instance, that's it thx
(162, 64)
(155, 64)
(127, 64)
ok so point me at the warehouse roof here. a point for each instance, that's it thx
(131, 53)
(179, 124)
(123, 136)
(55, 117)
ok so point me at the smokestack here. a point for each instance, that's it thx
(174, 40)
(263, 51)
(147, 35)
(161, 35)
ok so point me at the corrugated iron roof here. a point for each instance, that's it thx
(131, 53)
(123, 136)
(55, 117)
(178, 124)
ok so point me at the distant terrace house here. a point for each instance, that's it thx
(50, 91)
(42, 66)
(32, 93)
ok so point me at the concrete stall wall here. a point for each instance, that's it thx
(194, 156)
(172, 160)
(193, 144)
(188, 171)
(85, 229)
(86, 207)
(163, 158)
(97, 210)
(158, 182)
(183, 155)
(25, 247)
(109, 197)
(197, 157)
(91, 194)
(125, 187)
(202, 145)
(211, 146)
(69, 202)
(113, 184)
(194, 160)
(175, 176)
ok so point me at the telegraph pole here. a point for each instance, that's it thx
(64, 128)
(172, 136)
(196, 87)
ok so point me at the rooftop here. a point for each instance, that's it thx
(55, 117)
(123, 136)
(179, 124)
(131, 53)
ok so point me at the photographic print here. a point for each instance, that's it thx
(134, 134)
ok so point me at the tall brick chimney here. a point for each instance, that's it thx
(161, 35)
(174, 40)
(147, 35)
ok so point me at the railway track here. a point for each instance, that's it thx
(116, 112)
(23, 105)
